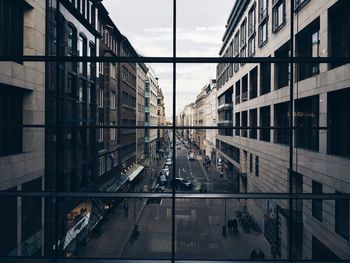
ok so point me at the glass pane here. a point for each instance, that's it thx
(231, 229)
(150, 33)
(22, 223)
(200, 35)
(321, 136)
(115, 228)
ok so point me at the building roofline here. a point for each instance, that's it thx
(235, 15)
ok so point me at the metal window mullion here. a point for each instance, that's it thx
(291, 109)
(173, 222)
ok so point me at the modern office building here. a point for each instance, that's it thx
(257, 95)
(151, 93)
(22, 150)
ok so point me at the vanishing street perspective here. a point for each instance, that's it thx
(175, 130)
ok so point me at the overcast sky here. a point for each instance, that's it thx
(200, 27)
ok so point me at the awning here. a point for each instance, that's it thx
(134, 171)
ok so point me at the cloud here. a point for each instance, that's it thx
(200, 27)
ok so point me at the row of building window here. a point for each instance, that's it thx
(238, 46)
(128, 78)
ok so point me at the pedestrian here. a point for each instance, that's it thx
(261, 254)
(234, 226)
(229, 226)
(126, 209)
(253, 254)
(274, 251)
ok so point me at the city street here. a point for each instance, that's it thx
(199, 224)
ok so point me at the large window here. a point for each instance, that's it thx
(278, 14)
(317, 204)
(11, 115)
(263, 22)
(342, 218)
(251, 31)
(11, 28)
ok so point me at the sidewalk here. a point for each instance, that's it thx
(115, 233)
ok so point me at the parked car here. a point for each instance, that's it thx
(166, 170)
(168, 161)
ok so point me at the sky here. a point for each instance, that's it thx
(200, 28)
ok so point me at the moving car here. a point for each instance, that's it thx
(183, 184)
(191, 156)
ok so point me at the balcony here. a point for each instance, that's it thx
(244, 96)
(147, 94)
(147, 109)
(226, 106)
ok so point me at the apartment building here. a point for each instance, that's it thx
(107, 94)
(141, 80)
(72, 104)
(127, 112)
(151, 117)
(210, 115)
(200, 118)
(22, 150)
(257, 95)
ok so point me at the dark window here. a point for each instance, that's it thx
(308, 45)
(238, 92)
(339, 122)
(317, 203)
(251, 163)
(278, 14)
(342, 217)
(8, 226)
(243, 42)
(282, 69)
(257, 166)
(299, 4)
(282, 123)
(238, 124)
(11, 114)
(244, 88)
(265, 123)
(251, 31)
(306, 122)
(31, 210)
(339, 28)
(253, 123)
(11, 28)
(236, 51)
(253, 83)
(244, 124)
(263, 19)
(265, 78)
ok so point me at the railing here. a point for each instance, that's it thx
(244, 96)
(238, 99)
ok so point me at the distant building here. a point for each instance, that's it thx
(161, 121)
(141, 83)
(211, 116)
(151, 117)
